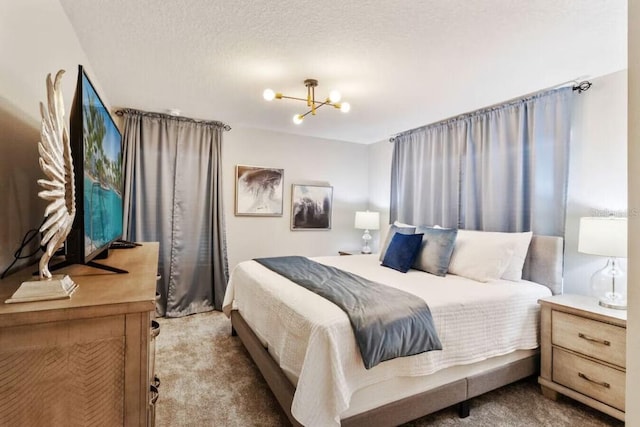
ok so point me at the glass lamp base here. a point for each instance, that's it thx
(366, 237)
(609, 285)
(616, 301)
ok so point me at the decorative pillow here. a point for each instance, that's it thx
(393, 229)
(487, 255)
(402, 251)
(402, 224)
(520, 242)
(436, 249)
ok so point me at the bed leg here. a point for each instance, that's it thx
(463, 409)
(233, 332)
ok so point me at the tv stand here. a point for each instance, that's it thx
(107, 267)
(123, 244)
(93, 264)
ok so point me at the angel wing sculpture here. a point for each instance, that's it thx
(55, 161)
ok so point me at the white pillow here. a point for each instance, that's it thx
(520, 242)
(482, 262)
(487, 255)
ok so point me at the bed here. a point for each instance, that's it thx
(304, 345)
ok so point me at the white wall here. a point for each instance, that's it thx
(36, 38)
(597, 171)
(379, 185)
(633, 315)
(305, 161)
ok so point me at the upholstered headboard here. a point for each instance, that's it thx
(544, 262)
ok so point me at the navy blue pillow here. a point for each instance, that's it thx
(402, 251)
(393, 229)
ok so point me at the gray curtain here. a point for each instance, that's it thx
(425, 178)
(173, 195)
(503, 168)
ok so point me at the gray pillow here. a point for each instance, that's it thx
(393, 229)
(437, 247)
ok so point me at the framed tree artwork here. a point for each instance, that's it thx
(311, 207)
(259, 191)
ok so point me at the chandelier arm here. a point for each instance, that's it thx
(317, 106)
(293, 97)
(304, 100)
(320, 104)
(302, 116)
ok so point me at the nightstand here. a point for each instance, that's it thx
(355, 252)
(583, 352)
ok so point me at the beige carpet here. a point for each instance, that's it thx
(208, 379)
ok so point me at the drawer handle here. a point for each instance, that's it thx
(155, 329)
(603, 384)
(153, 391)
(588, 338)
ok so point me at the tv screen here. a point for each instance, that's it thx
(96, 149)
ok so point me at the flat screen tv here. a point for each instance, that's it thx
(96, 149)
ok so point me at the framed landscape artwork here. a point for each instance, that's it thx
(311, 207)
(259, 191)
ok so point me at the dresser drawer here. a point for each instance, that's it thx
(592, 338)
(589, 378)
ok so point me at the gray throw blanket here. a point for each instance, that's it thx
(386, 321)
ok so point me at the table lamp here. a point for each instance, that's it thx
(367, 221)
(606, 236)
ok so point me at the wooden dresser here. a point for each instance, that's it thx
(583, 352)
(86, 360)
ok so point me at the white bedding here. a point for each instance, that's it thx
(312, 340)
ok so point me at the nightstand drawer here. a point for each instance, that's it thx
(592, 338)
(589, 378)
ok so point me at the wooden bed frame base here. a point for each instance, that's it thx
(401, 411)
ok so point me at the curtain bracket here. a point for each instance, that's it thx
(583, 86)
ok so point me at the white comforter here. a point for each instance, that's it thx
(312, 340)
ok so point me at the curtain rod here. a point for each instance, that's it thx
(581, 86)
(122, 111)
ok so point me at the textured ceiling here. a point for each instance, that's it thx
(400, 64)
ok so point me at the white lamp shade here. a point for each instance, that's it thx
(367, 220)
(605, 236)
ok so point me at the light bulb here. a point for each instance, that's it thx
(297, 119)
(335, 96)
(268, 94)
(345, 107)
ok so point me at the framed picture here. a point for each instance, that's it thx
(259, 191)
(311, 207)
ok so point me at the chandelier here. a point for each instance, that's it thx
(333, 100)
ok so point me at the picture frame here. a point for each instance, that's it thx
(259, 191)
(311, 207)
